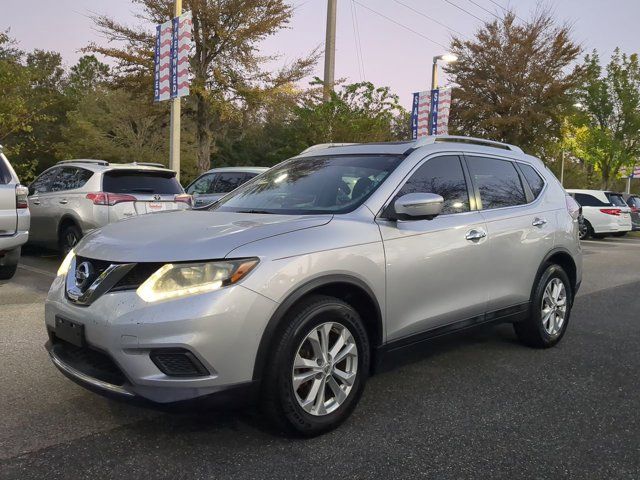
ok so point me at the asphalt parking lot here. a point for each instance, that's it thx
(477, 405)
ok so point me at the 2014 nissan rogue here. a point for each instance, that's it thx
(295, 287)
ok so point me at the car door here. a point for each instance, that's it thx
(41, 193)
(520, 230)
(435, 268)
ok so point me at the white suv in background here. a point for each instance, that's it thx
(14, 218)
(76, 196)
(605, 213)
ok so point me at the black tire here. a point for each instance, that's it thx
(278, 400)
(70, 235)
(532, 331)
(7, 271)
(586, 230)
(619, 234)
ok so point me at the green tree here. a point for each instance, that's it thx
(86, 75)
(226, 65)
(514, 81)
(608, 133)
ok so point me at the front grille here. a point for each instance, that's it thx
(178, 363)
(89, 361)
(136, 276)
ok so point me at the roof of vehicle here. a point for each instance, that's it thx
(434, 143)
(238, 169)
(578, 190)
(102, 165)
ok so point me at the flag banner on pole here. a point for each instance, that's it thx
(421, 123)
(433, 117)
(162, 84)
(173, 45)
(180, 48)
(636, 172)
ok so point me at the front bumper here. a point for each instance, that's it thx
(221, 329)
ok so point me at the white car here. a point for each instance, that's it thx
(14, 218)
(605, 213)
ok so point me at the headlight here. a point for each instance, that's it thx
(180, 279)
(66, 263)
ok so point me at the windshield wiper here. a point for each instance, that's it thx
(253, 211)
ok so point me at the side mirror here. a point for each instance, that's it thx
(418, 205)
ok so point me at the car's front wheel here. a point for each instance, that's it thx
(550, 308)
(318, 367)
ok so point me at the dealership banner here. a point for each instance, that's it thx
(423, 121)
(173, 45)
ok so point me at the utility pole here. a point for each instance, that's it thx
(562, 169)
(330, 50)
(174, 142)
(434, 73)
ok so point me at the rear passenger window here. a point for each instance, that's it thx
(535, 181)
(443, 176)
(586, 200)
(498, 182)
(45, 182)
(616, 199)
(229, 181)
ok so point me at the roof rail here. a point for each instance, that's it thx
(461, 139)
(104, 163)
(326, 145)
(149, 164)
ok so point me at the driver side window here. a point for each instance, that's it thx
(443, 176)
(203, 185)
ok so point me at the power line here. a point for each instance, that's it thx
(356, 36)
(465, 11)
(400, 24)
(429, 18)
(482, 8)
(507, 10)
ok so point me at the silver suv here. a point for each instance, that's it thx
(295, 287)
(14, 218)
(217, 182)
(76, 196)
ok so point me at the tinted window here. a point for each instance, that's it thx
(586, 200)
(533, 178)
(126, 181)
(634, 202)
(45, 182)
(616, 199)
(229, 181)
(69, 178)
(203, 185)
(443, 176)
(498, 182)
(5, 177)
(311, 185)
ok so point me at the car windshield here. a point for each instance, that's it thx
(312, 185)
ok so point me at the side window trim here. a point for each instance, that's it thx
(382, 214)
(545, 183)
(525, 185)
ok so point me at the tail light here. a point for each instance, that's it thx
(184, 198)
(104, 198)
(611, 211)
(573, 207)
(22, 193)
(635, 209)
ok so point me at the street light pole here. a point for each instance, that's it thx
(174, 139)
(330, 50)
(434, 73)
(562, 169)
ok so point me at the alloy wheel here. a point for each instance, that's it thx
(554, 306)
(325, 368)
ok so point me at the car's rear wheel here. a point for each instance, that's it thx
(70, 235)
(7, 271)
(585, 229)
(9, 264)
(318, 367)
(550, 309)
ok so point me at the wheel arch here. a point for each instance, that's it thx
(562, 257)
(345, 287)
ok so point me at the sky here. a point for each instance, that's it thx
(397, 44)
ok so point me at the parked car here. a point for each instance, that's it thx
(296, 286)
(605, 213)
(75, 197)
(14, 218)
(633, 201)
(217, 182)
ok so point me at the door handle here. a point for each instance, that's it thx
(539, 222)
(64, 201)
(475, 234)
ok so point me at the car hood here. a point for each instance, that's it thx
(187, 235)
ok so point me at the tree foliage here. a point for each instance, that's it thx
(514, 81)
(606, 134)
